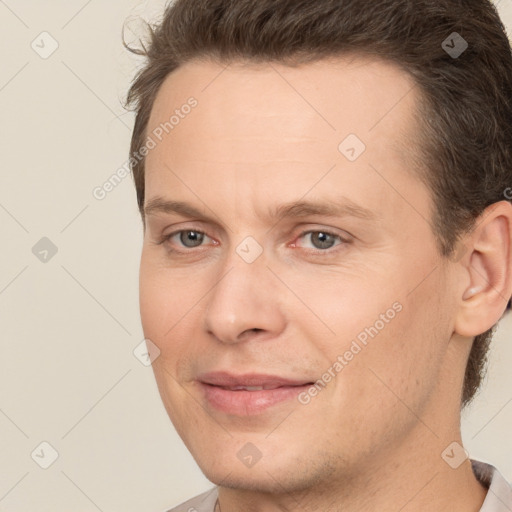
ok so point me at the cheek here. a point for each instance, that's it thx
(155, 303)
(163, 311)
(391, 338)
(166, 298)
(405, 359)
(172, 309)
(352, 314)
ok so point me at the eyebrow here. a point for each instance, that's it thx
(344, 207)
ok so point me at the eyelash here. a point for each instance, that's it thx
(344, 241)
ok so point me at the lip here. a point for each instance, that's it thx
(225, 391)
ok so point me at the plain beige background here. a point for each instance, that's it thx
(70, 321)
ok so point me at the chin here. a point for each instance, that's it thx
(275, 472)
(264, 480)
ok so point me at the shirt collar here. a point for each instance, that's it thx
(499, 493)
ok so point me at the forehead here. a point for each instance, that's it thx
(323, 102)
(319, 83)
(254, 123)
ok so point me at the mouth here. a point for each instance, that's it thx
(249, 394)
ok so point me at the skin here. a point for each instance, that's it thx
(268, 134)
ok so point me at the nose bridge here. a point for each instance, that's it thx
(244, 297)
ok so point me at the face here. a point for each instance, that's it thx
(283, 328)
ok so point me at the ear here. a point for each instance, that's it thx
(486, 280)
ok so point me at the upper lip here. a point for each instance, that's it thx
(229, 380)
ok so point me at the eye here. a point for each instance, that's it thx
(322, 240)
(188, 238)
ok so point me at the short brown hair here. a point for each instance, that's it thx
(464, 115)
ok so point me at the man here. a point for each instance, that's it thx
(326, 245)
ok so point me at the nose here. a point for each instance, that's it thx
(245, 302)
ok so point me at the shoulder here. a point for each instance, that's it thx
(203, 503)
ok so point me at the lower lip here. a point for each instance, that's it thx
(245, 403)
